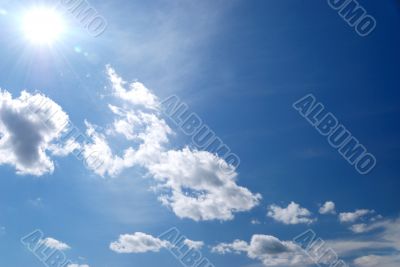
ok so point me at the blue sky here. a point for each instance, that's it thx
(238, 65)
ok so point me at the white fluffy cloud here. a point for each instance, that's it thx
(30, 127)
(136, 94)
(268, 249)
(328, 208)
(190, 182)
(349, 217)
(200, 190)
(292, 214)
(138, 243)
(54, 244)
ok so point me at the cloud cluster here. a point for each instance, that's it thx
(268, 249)
(292, 214)
(190, 182)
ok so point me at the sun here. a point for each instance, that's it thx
(43, 26)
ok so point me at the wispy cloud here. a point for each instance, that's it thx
(349, 217)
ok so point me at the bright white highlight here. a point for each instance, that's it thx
(43, 26)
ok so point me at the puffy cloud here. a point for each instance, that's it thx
(30, 127)
(137, 94)
(328, 208)
(54, 244)
(346, 217)
(268, 249)
(190, 182)
(138, 243)
(198, 188)
(292, 214)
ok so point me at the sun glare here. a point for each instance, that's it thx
(43, 26)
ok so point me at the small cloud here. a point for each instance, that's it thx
(54, 243)
(193, 244)
(138, 243)
(376, 218)
(328, 208)
(364, 228)
(255, 221)
(136, 94)
(141, 243)
(350, 217)
(292, 214)
(267, 249)
(359, 228)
